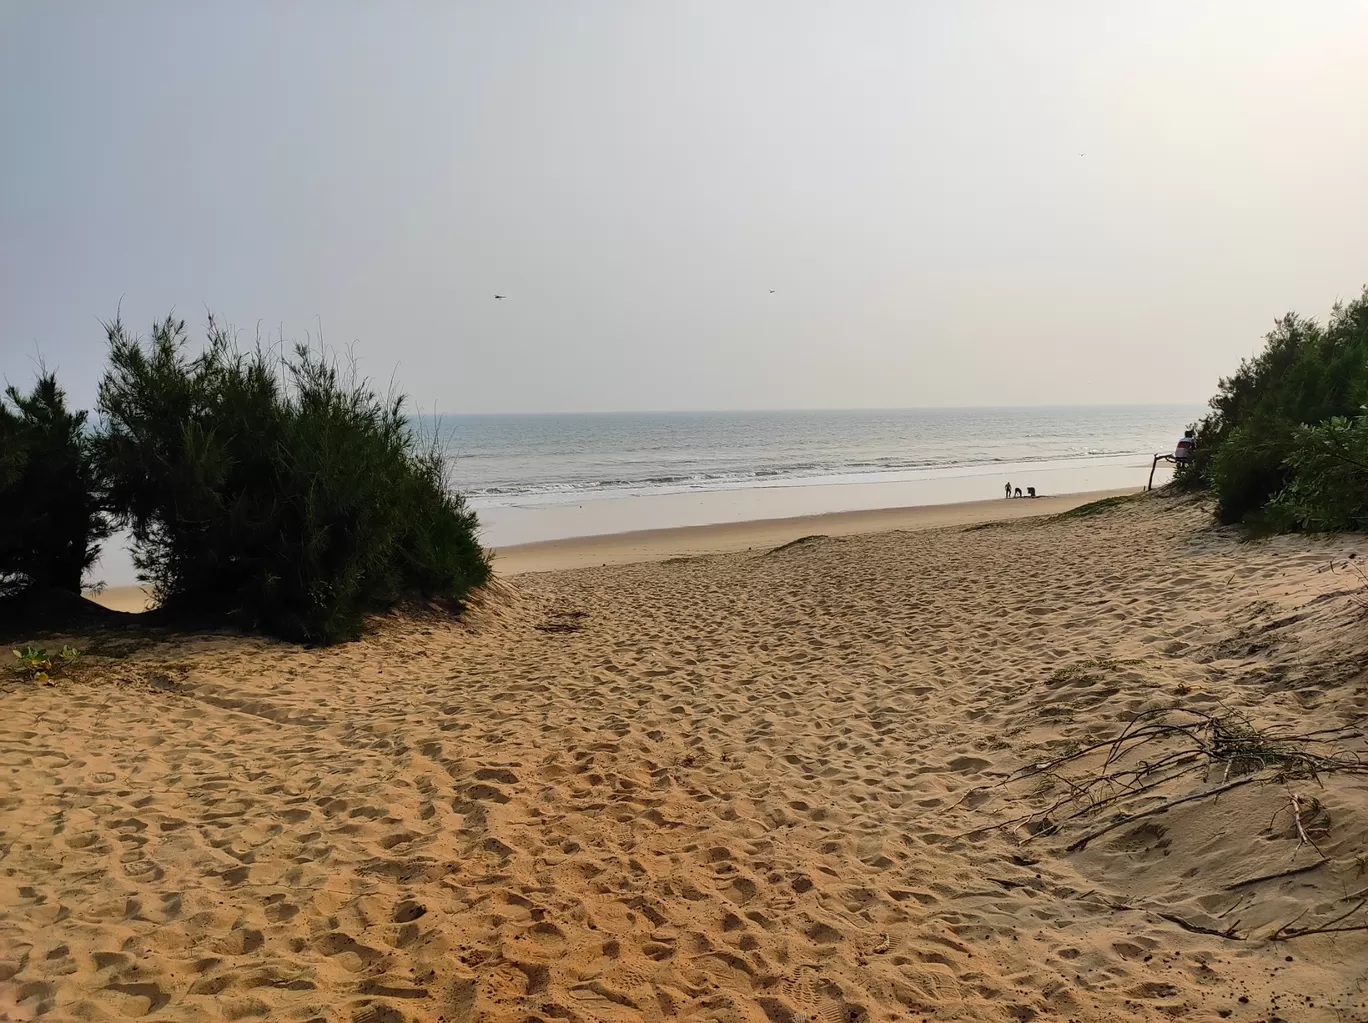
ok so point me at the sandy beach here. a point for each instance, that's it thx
(641, 545)
(744, 779)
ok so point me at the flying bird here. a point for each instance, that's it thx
(771, 291)
(500, 297)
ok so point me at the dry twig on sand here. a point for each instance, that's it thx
(1160, 746)
(1163, 807)
(1305, 868)
(1112, 784)
(1329, 927)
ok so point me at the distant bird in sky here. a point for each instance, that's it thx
(771, 291)
(500, 297)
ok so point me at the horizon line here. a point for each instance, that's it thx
(880, 408)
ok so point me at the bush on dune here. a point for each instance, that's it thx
(1328, 491)
(274, 490)
(51, 523)
(1280, 446)
(1250, 467)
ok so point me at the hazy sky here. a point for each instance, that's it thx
(955, 203)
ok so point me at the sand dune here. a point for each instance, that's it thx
(729, 537)
(755, 786)
(132, 599)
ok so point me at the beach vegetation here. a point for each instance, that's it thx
(1089, 671)
(35, 664)
(1328, 486)
(1285, 445)
(1097, 507)
(275, 488)
(51, 497)
(802, 541)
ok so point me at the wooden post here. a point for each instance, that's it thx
(1154, 465)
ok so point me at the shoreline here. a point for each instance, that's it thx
(647, 545)
(533, 520)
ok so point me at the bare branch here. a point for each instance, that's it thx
(1163, 807)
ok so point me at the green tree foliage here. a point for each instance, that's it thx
(1268, 429)
(272, 489)
(51, 523)
(1328, 491)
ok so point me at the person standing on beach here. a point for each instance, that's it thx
(1007, 491)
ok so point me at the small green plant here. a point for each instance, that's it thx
(37, 665)
(1090, 671)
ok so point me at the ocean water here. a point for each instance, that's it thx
(545, 477)
(500, 460)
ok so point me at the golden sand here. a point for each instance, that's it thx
(754, 786)
(716, 538)
(730, 537)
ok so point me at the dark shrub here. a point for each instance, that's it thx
(1247, 447)
(1328, 492)
(1250, 466)
(50, 519)
(270, 489)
